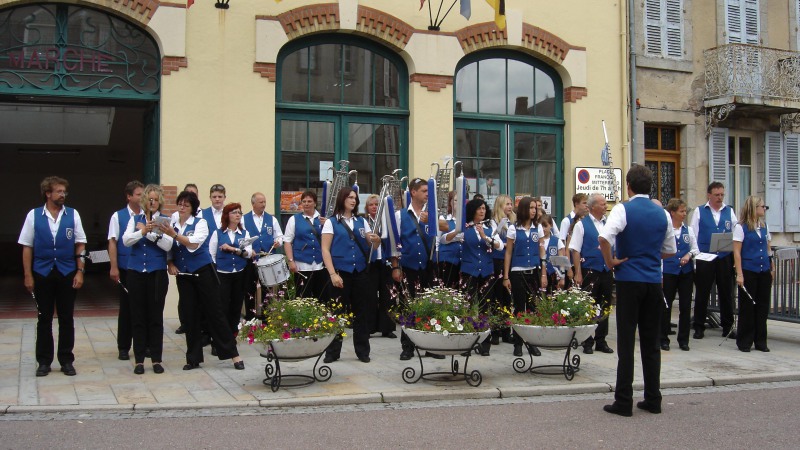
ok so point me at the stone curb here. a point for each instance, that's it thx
(354, 399)
(443, 394)
(726, 380)
(185, 406)
(27, 409)
(571, 389)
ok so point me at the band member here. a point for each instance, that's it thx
(148, 280)
(118, 254)
(678, 276)
(523, 275)
(190, 187)
(259, 223)
(449, 264)
(198, 285)
(643, 237)
(553, 246)
(477, 268)
(591, 272)
(231, 260)
(413, 270)
(580, 207)
(346, 243)
(213, 214)
(569, 279)
(381, 278)
(503, 209)
(755, 270)
(52, 237)
(302, 244)
(713, 217)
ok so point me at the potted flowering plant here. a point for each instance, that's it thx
(557, 316)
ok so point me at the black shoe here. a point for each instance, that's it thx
(684, 347)
(42, 370)
(665, 347)
(763, 348)
(190, 366)
(744, 349)
(389, 335)
(433, 355)
(618, 410)
(139, 369)
(517, 350)
(123, 355)
(698, 334)
(158, 368)
(649, 407)
(672, 332)
(180, 330)
(604, 348)
(68, 369)
(364, 359)
(506, 339)
(534, 350)
(330, 359)
(406, 355)
(495, 340)
(588, 350)
(238, 365)
(213, 351)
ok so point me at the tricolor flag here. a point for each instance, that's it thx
(499, 7)
(189, 3)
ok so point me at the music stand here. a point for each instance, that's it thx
(721, 242)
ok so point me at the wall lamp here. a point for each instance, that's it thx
(222, 4)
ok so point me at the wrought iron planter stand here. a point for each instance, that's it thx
(277, 379)
(472, 378)
(569, 367)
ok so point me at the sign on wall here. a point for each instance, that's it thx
(597, 180)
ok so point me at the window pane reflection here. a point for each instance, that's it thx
(545, 95)
(520, 88)
(492, 91)
(467, 88)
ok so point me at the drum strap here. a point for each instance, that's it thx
(353, 238)
(314, 230)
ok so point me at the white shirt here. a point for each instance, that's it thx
(26, 236)
(277, 234)
(200, 231)
(694, 221)
(217, 213)
(349, 222)
(617, 221)
(213, 245)
(113, 225)
(459, 237)
(288, 237)
(132, 235)
(577, 233)
(738, 233)
(562, 234)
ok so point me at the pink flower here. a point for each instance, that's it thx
(286, 335)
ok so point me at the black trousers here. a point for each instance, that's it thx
(55, 293)
(449, 274)
(316, 284)
(721, 271)
(552, 283)
(752, 327)
(251, 290)
(638, 305)
(682, 285)
(380, 276)
(200, 297)
(524, 290)
(600, 285)
(124, 319)
(231, 287)
(501, 294)
(362, 303)
(147, 294)
(413, 280)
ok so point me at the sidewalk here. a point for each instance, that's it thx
(105, 383)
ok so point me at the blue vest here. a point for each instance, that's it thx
(190, 262)
(672, 265)
(227, 261)
(706, 227)
(208, 214)
(146, 256)
(552, 250)
(754, 250)
(60, 253)
(590, 250)
(266, 235)
(414, 253)
(641, 241)
(305, 246)
(526, 249)
(348, 254)
(123, 216)
(476, 259)
(450, 253)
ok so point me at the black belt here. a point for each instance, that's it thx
(525, 272)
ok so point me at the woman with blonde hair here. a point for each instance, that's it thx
(503, 216)
(752, 259)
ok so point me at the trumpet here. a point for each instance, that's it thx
(330, 190)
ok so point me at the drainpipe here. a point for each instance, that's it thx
(632, 77)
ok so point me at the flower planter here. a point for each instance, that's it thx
(295, 349)
(554, 338)
(452, 344)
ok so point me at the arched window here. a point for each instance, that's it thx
(509, 126)
(338, 98)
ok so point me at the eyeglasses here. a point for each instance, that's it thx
(766, 208)
(235, 211)
(183, 205)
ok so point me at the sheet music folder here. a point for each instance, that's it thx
(721, 242)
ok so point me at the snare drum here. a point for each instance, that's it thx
(272, 270)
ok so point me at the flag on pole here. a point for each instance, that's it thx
(499, 7)
(466, 8)
(421, 4)
(189, 3)
(605, 155)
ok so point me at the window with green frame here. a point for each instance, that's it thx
(508, 125)
(339, 98)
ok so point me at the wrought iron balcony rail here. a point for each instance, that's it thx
(757, 75)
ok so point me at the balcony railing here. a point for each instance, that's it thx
(741, 73)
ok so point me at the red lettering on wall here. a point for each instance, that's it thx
(34, 59)
(100, 64)
(66, 58)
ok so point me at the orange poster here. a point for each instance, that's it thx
(290, 201)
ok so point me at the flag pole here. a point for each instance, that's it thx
(605, 156)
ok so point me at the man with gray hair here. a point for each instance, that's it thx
(591, 272)
(268, 229)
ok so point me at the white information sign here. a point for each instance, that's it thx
(597, 180)
(547, 204)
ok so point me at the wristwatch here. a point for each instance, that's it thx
(81, 270)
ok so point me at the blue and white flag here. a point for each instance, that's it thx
(605, 155)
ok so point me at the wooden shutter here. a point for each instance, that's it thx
(751, 22)
(773, 149)
(718, 156)
(733, 21)
(652, 29)
(674, 29)
(791, 186)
